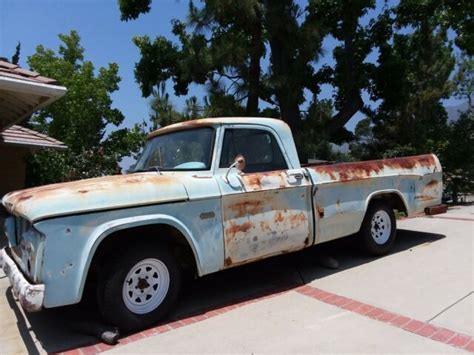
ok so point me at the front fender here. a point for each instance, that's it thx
(106, 229)
(71, 242)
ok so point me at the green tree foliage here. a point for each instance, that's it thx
(16, 55)
(411, 79)
(464, 79)
(362, 146)
(457, 15)
(223, 44)
(81, 118)
(458, 165)
(223, 51)
(351, 73)
(162, 111)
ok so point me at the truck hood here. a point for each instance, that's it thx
(108, 192)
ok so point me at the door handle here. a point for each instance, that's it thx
(296, 175)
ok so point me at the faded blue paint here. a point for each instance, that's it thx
(64, 273)
(251, 216)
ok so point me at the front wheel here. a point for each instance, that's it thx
(140, 288)
(378, 229)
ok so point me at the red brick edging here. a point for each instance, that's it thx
(452, 218)
(100, 347)
(421, 328)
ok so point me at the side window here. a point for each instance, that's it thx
(259, 148)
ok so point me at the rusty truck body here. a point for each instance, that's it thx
(206, 195)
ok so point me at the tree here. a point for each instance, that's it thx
(464, 79)
(16, 56)
(223, 51)
(224, 43)
(458, 165)
(411, 79)
(364, 140)
(228, 39)
(162, 111)
(351, 73)
(456, 15)
(80, 118)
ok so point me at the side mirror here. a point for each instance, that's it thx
(239, 164)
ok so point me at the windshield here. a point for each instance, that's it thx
(182, 150)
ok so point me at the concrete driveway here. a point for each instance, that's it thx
(417, 299)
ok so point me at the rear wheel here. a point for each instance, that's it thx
(378, 229)
(140, 288)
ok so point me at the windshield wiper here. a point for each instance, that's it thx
(150, 168)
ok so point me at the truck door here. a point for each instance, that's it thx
(266, 206)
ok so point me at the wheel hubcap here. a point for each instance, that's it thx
(145, 286)
(381, 227)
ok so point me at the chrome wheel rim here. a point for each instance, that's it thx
(381, 227)
(145, 286)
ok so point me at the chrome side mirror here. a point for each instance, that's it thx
(239, 164)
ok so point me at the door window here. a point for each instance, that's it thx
(259, 148)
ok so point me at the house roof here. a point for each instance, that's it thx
(21, 136)
(23, 92)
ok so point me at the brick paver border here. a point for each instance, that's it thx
(452, 218)
(420, 328)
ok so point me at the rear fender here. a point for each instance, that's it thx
(382, 192)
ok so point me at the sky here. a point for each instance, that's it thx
(106, 39)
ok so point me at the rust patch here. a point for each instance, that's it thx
(321, 212)
(297, 219)
(432, 184)
(255, 181)
(233, 229)
(183, 125)
(24, 198)
(364, 169)
(279, 217)
(424, 198)
(105, 183)
(228, 261)
(251, 207)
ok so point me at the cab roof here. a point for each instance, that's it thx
(274, 123)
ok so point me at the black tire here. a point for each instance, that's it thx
(111, 289)
(375, 240)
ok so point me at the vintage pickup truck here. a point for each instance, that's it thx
(205, 195)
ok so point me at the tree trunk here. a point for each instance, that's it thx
(288, 89)
(254, 67)
(352, 101)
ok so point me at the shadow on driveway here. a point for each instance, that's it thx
(54, 327)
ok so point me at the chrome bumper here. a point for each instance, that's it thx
(30, 296)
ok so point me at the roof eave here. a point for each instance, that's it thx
(33, 145)
(52, 92)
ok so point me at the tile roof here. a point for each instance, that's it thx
(14, 71)
(17, 135)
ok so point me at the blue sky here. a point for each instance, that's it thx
(106, 39)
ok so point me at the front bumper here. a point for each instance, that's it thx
(30, 296)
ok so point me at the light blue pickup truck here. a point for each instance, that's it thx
(205, 195)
